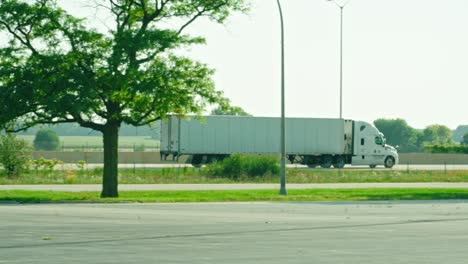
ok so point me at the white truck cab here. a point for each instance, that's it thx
(370, 147)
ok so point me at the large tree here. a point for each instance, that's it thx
(55, 69)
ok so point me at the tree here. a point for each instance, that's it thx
(46, 139)
(398, 132)
(55, 69)
(229, 110)
(15, 154)
(465, 139)
(437, 135)
(459, 132)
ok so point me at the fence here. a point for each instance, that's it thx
(98, 157)
(99, 148)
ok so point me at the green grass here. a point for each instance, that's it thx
(96, 141)
(191, 175)
(237, 196)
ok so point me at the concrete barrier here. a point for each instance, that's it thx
(433, 159)
(154, 158)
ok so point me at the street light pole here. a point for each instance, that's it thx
(341, 52)
(283, 125)
(341, 62)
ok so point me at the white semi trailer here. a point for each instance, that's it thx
(313, 142)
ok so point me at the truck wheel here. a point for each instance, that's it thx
(373, 166)
(326, 162)
(389, 162)
(339, 162)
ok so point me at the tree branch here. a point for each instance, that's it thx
(26, 42)
(197, 15)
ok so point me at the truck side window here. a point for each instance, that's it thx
(378, 140)
(363, 127)
(362, 141)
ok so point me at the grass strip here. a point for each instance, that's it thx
(191, 175)
(237, 195)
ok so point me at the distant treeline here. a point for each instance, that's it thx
(433, 138)
(75, 130)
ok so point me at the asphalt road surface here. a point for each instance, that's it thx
(348, 232)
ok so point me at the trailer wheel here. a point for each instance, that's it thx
(310, 161)
(197, 161)
(389, 162)
(326, 162)
(339, 162)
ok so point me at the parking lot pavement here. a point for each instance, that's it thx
(346, 232)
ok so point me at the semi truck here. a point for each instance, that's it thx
(314, 142)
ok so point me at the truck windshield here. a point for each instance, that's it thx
(379, 140)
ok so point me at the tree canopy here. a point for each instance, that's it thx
(465, 139)
(437, 135)
(55, 69)
(459, 132)
(230, 110)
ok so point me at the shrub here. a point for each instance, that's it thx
(460, 149)
(45, 164)
(81, 164)
(15, 155)
(46, 139)
(140, 147)
(237, 166)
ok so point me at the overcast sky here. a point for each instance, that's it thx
(402, 59)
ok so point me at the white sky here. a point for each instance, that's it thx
(402, 58)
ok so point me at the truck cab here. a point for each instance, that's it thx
(370, 147)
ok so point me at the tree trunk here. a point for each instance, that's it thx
(111, 143)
